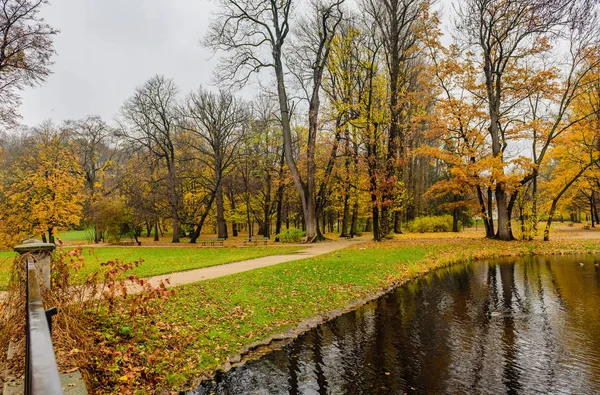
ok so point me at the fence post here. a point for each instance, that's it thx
(40, 253)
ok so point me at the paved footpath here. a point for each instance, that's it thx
(206, 273)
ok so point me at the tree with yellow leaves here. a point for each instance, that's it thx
(42, 188)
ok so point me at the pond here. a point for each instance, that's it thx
(512, 326)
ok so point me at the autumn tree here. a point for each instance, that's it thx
(576, 152)
(150, 122)
(264, 164)
(345, 88)
(42, 187)
(308, 63)
(457, 131)
(26, 47)
(504, 33)
(398, 23)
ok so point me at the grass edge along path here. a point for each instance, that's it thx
(195, 333)
(157, 260)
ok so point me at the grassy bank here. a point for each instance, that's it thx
(194, 333)
(157, 260)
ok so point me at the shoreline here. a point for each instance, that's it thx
(279, 340)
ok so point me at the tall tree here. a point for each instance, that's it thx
(43, 187)
(309, 61)
(505, 33)
(92, 136)
(253, 34)
(219, 121)
(151, 123)
(398, 23)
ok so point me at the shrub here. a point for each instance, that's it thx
(441, 223)
(291, 235)
(100, 318)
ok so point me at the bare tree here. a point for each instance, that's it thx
(151, 122)
(25, 52)
(309, 61)
(219, 121)
(253, 34)
(92, 136)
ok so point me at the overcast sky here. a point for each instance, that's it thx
(106, 48)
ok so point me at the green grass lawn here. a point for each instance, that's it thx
(194, 332)
(216, 317)
(157, 260)
(76, 235)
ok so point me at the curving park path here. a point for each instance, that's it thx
(206, 273)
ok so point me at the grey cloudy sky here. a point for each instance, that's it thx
(108, 47)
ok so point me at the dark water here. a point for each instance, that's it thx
(436, 336)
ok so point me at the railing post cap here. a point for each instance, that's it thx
(30, 245)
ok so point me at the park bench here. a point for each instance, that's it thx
(586, 227)
(256, 240)
(129, 242)
(212, 241)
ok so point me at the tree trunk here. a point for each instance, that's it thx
(596, 211)
(503, 218)
(490, 211)
(346, 216)
(354, 222)
(455, 214)
(156, 230)
(509, 209)
(592, 209)
(306, 199)
(487, 219)
(97, 234)
(221, 224)
(234, 224)
(174, 203)
(398, 222)
(175, 220)
(196, 232)
(279, 198)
